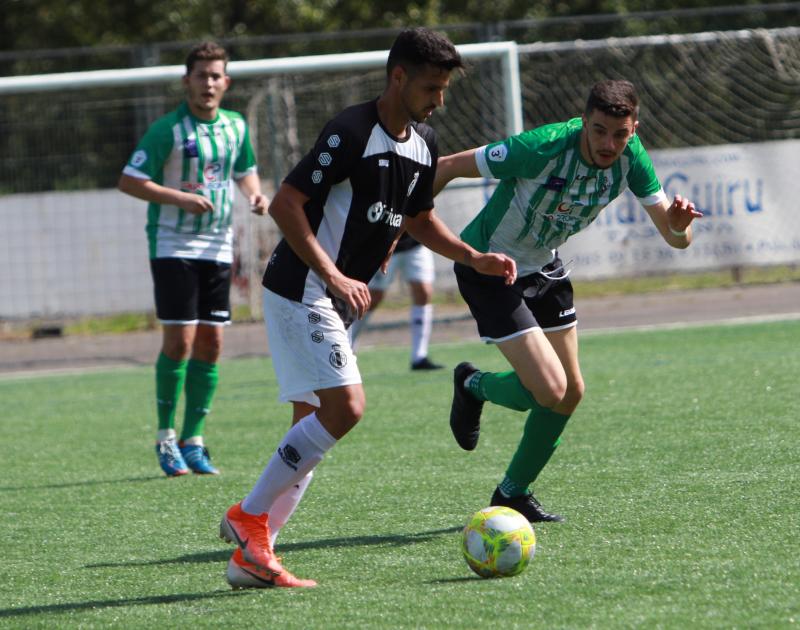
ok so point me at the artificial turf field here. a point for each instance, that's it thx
(679, 476)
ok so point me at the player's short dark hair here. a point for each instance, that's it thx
(615, 97)
(206, 51)
(417, 47)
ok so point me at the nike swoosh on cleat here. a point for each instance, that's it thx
(256, 576)
(239, 541)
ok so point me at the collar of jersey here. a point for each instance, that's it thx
(199, 121)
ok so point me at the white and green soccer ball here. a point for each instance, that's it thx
(498, 542)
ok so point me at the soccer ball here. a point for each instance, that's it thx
(498, 542)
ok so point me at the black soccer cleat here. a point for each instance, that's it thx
(465, 411)
(425, 364)
(528, 506)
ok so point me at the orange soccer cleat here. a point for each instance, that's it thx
(244, 574)
(251, 533)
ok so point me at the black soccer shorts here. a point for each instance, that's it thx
(533, 301)
(189, 291)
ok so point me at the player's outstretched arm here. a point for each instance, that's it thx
(250, 185)
(148, 190)
(431, 231)
(674, 220)
(450, 167)
(287, 210)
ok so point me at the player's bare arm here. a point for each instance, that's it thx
(431, 231)
(385, 264)
(449, 167)
(148, 190)
(250, 185)
(674, 220)
(287, 210)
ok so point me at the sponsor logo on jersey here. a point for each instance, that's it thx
(317, 336)
(375, 212)
(290, 456)
(334, 141)
(567, 207)
(138, 158)
(314, 318)
(191, 186)
(498, 153)
(190, 148)
(338, 358)
(412, 184)
(563, 219)
(567, 312)
(212, 172)
(316, 176)
(378, 211)
(325, 158)
(383, 163)
(555, 184)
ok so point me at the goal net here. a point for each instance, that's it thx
(695, 89)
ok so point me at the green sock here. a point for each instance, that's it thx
(170, 376)
(201, 383)
(539, 441)
(505, 389)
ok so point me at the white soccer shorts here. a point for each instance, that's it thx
(310, 348)
(415, 265)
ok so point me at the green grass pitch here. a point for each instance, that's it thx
(678, 476)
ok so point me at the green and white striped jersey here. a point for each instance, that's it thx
(204, 157)
(547, 192)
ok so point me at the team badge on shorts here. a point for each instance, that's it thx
(337, 358)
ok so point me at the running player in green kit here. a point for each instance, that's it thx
(554, 181)
(185, 166)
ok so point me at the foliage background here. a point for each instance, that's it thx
(122, 31)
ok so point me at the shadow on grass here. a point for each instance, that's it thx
(115, 603)
(78, 484)
(457, 580)
(325, 543)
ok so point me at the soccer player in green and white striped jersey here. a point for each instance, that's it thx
(554, 181)
(186, 166)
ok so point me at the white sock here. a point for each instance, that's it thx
(301, 449)
(196, 440)
(284, 506)
(421, 325)
(166, 434)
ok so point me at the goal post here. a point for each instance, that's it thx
(505, 51)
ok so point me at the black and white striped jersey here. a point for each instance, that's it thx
(360, 181)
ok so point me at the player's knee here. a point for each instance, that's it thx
(572, 396)
(177, 349)
(551, 392)
(208, 352)
(351, 410)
